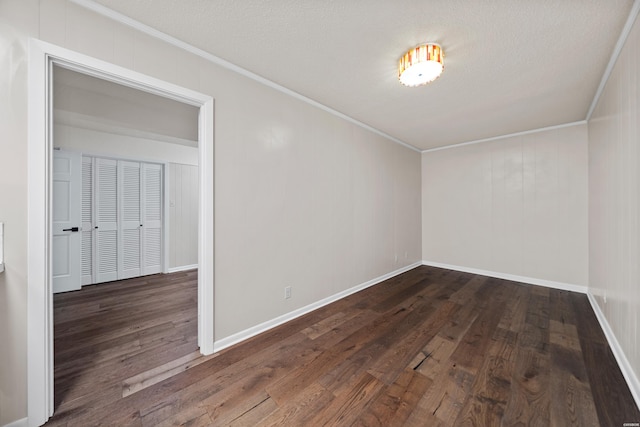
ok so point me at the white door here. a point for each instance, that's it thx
(106, 221)
(152, 191)
(130, 219)
(66, 242)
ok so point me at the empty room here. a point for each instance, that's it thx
(303, 213)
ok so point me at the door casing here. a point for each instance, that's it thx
(42, 56)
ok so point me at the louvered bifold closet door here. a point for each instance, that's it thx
(152, 204)
(87, 264)
(130, 249)
(106, 209)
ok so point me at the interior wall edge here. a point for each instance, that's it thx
(623, 362)
(515, 278)
(269, 324)
(125, 20)
(624, 34)
(509, 135)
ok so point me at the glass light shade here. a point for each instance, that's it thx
(421, 65)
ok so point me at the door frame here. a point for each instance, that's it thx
(42, 56)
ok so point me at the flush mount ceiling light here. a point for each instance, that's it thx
(421, 65)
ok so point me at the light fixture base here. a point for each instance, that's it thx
(421, 65)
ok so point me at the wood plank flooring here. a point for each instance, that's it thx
(431, 347)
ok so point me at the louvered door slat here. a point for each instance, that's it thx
(87, 259)
(106, 209)
(130, 219)
(122, 215)
(152, 200)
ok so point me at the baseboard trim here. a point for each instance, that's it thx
(618, 353)
(512, 277)
(265, 326)
(182, 268)
(24, 422)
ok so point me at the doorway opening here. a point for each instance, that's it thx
(43, 58)
(125, 187)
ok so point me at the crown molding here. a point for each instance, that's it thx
(510, 135)
(633, 14)
(130, 22)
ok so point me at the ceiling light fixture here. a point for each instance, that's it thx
(421, 65)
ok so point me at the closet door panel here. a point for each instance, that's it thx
(87, 258)
(130, 219)
(152, 209)
(106, 210)
(122, 219)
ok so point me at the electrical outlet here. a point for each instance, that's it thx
(287, 292)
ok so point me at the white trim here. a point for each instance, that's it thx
(514, 278)
(24, 422)
(182, 268)
(206, 233)
(84, 121)
(621, 358)
(509, 135)
(39, 327)
(269, 324)
(110, 155)
(125, 20)
(90, 153)
(633, 14)
(39, 297)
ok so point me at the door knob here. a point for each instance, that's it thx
(73, 229)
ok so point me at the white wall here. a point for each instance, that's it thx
(303, 198)
(93, 142)
(79, 95)
(307, 200)
(614, 202)
(183, 215)
(515, 205)
(18, 20)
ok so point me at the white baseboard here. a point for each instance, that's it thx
(265, 326)
(621, 358)
(512, 277)
(24, 422)
(182, 268)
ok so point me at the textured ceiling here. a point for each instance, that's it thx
(510, 65)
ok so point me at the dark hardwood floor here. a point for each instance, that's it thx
(431, 347)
